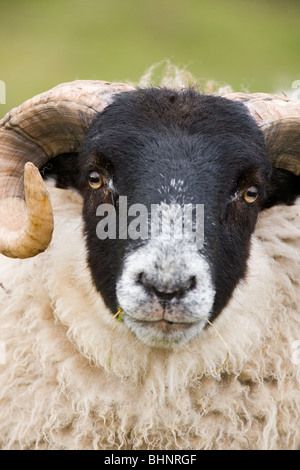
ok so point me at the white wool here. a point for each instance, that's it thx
(166, 74)
(57, 390)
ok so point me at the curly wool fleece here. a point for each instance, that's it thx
(68, 383)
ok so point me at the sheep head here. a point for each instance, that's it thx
(154, 147)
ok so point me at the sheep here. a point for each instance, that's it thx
(149, 344)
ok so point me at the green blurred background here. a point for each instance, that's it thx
(249, 44)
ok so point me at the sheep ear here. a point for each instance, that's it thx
(283, 188)
(63, 170)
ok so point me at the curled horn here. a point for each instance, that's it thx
(45, 126)
(279, 119)
(56, 122)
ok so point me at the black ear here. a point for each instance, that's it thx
(283, 188)
(64, 170)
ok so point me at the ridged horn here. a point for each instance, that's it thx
(279, 119)
(43, 127)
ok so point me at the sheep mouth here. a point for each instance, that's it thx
(162, 333)
(165, 326)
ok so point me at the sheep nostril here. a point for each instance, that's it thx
(167, 294)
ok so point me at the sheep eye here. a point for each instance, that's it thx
(95, 180)
(250, 195)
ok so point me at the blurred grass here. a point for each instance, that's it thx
(249, 44)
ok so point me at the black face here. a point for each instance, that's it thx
(163, 147)
(148, 138)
